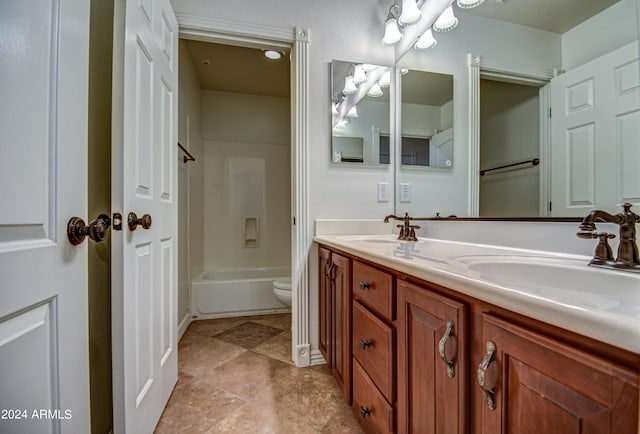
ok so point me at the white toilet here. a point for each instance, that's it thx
(282, 290)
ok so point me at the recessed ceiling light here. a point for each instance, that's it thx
(272, 54)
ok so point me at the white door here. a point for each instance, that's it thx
(44, 360)
(144, 175)
(595, 142)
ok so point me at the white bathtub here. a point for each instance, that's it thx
(236, 292)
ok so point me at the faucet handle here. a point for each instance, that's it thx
(603, 249)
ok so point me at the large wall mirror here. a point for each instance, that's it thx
(360, 113)
(557, 90)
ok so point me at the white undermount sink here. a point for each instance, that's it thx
(567, 281)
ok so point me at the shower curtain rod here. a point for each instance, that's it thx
(187, 157)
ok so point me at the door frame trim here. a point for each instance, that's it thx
(297, 39)
(503, 71)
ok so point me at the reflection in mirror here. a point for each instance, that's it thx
(360, 113)
(427, 119)
(577, 68)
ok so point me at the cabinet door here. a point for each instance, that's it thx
(341, 323)
(543, 386)
(324, 302)
(431, 391)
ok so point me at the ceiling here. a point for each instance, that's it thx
(555, 16)
(239, 69)
(247, 70)
(419, 87)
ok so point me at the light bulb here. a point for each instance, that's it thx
(375, 91)
(334, 109)
(468, 4)
(353, 112)
(392, 33)
(426, 41)
(385, 80)
(410, 12)
(349, 86)
(359, 76)
(447, 21)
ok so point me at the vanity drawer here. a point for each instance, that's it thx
(373, 347)
(373, 288)
(373, 412)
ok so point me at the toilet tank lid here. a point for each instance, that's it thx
(283, 283)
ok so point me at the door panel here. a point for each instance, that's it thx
(595, 134)
(431, 398)
(145, 162)
(542, 385)
(44, 359)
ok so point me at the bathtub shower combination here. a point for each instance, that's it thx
(237, 292)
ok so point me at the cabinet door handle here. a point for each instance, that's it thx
(329, 271)
(482, 375)
(364, 343)
(364, 285)
(441, 346)
(364, 411)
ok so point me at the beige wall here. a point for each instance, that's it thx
(509, 119)
(247, 173)
(190, 181)
(99, 254)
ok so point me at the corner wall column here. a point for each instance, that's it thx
(301, 241)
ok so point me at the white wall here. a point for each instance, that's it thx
(613, 28)
(352, 31)
(247, 173)
(190, 176)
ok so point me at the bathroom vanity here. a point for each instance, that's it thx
(448, 337)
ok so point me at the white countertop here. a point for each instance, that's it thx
(559, 289)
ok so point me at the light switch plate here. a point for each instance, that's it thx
(405, 192)
(383, 192)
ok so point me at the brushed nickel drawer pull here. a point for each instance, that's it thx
(482, 375)
(441, 346)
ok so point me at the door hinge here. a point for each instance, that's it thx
(549, 111)
(550, 207)
(294, 220)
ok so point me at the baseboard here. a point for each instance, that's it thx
(317, 358)
(184, 324)
(240, 313)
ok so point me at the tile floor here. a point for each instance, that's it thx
(235, 376)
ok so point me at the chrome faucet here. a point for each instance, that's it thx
(627, 258)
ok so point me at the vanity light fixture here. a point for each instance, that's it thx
(349, 85)
(375, 91)
(359, 76)
(447, 21)
(353, 112)
(468, 4)
(392, 33)
(410, 12)
(426, 41)
(368, 67)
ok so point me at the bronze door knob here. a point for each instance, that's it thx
(77, 230)
(133, 221)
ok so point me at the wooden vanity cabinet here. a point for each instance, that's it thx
(393, 332)
(432, 370)
(540, 385)
(335, 316)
